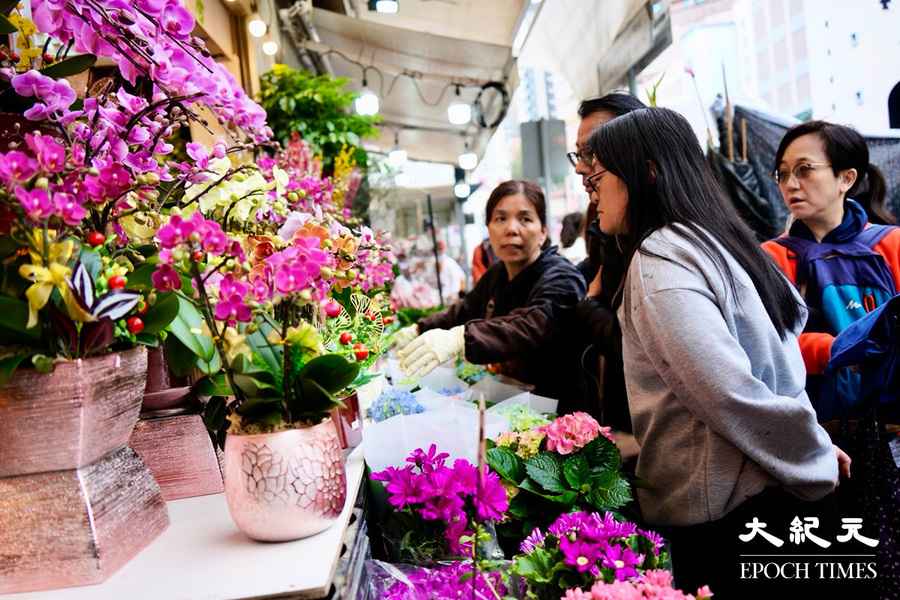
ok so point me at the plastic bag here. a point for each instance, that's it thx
(453, 428)
(444, 381)
(496, 390)
(540, 404)
(398, 581)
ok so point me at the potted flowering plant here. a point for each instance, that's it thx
(442, 510)
(579, 548)
(284, 471)
(569, 464)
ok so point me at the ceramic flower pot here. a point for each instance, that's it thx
(164, 390)
(286, 485)
(75, 502)
(71, 417)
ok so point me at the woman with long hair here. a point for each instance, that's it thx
(713, 370)
(519, 309)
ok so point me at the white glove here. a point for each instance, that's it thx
(404, 336)
(431, 349)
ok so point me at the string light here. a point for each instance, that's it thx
(468, 160)
(256, 26)
(270, 47)
(459, 113)
(367, 103)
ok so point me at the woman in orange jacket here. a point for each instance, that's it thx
(843, 264)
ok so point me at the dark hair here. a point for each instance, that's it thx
(571, 229)
(655, 153)
(616, 103)
(532, 192)
(846, 149)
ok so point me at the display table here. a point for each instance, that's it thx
(203, 556)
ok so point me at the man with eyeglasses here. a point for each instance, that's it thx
(603, 269)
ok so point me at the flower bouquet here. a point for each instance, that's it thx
(580, 548)
(455, 580)
(569, 464)
(442, 510)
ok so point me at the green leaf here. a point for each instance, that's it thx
(161, 314)
(252, 386)
(14, 316)
(213, 385)
(566, 498)
(9, 365)
(208, 367)
(179, 357)
(6, 27)
(332, 372)
(188, 328)
(536, 567)
(602, 454)
(214, 413)
(518, 506)
(576, 470)
(92, 262)
(258, 406)
(70, 66)
(311, 400)
(265, 354)
(544, 469)
(507, 465)
(608, 490)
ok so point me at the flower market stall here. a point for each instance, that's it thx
(195, 358)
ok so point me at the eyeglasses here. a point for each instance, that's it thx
(590, 180)
(585, 157)
(801, 171)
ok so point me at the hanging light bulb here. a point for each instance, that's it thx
(468, 160)
(270, 47)
(401, 180)
(397, 157)
(459, 113)
(462, 190)
(388, 7)
(256, 26)
(367, 103)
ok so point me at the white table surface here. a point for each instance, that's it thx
(203, 556)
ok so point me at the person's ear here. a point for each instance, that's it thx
(847, 180)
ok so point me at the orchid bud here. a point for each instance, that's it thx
(326, 272)
(306, 296)
(42, 183)
(351, 274)
(195, 237)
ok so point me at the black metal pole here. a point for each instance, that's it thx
(437, 261)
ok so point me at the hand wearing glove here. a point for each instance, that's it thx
(404, 336)
(432, 348)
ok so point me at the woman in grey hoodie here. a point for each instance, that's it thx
(713, 370)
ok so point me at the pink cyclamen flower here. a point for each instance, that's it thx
(165, 278)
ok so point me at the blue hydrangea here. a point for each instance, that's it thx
(393, 402)
(451, 391)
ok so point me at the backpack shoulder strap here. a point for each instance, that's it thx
(798, 246)
(871, 235)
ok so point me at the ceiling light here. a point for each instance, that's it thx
(270, 47)
(367, 102)
(462, 190)
(397, 158)
(468, 160)
(459, 113)
(388, 7)
(256, 26)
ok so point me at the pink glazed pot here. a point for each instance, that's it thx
(287, 485)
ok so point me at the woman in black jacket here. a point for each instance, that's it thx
(517, 312)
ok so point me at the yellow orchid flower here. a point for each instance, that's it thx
(235, 345)
(307, 338)
(46, 277)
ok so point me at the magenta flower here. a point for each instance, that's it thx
(427, 461)
(534, 540)
(177, 21)
(36, 203)
(176, 231)
(621, 560)
(53, 96)
(165, 278)
(16, 167)
(403, 486)
(580, 554)
(68, 208)
(231, 307)
(51, 155)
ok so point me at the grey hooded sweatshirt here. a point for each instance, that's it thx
(716, 396)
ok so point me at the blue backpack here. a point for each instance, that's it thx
(843, 282)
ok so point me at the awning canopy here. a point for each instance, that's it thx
(413, 62)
